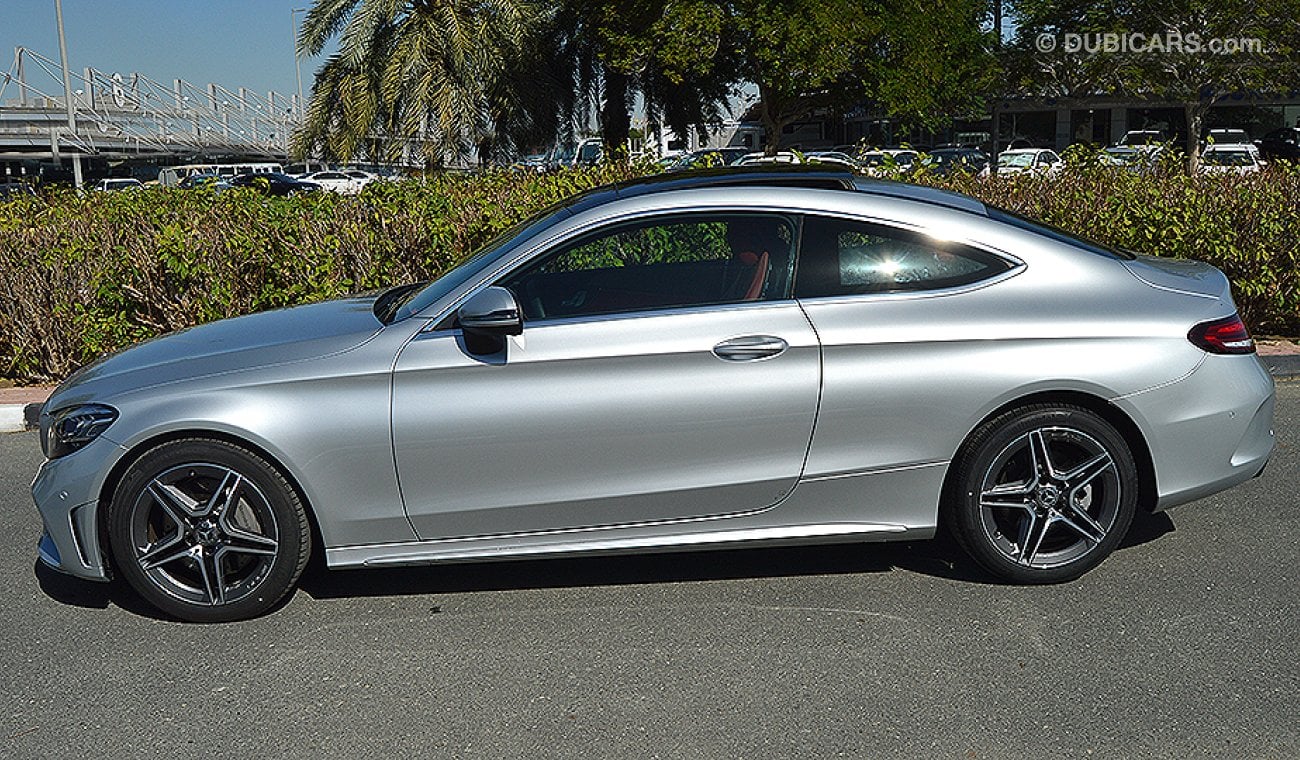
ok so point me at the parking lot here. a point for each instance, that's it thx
(1182, 644)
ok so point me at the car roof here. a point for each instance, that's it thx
(775, 176)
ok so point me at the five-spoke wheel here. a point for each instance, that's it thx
(208, 531)
(1043, 493)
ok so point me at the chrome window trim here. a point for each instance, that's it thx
(551, 238)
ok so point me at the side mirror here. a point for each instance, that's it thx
(487, 318)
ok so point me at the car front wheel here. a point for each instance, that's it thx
(208, 531)
(1043, 494)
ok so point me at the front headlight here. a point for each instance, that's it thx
(71, 428)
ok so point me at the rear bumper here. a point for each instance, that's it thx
(1210, 431)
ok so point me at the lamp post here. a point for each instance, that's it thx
(67, 91)
(297, 62)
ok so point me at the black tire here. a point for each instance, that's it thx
(1029, 523)
(208, 531)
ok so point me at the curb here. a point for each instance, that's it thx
(15, 418)
(1283, 366)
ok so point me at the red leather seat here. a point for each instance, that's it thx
(758, 263)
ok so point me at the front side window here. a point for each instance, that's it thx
(843, 257)
(659, 264)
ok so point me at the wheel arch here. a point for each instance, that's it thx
(118, 471)
(1112, 414)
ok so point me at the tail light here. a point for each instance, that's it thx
(1223, 336)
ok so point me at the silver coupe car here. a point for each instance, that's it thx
(707, 360)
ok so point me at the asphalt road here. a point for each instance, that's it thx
(1183, 644)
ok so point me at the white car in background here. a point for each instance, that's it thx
(762, 159)
(832, 157)
(1229, 159)
(361, 178)
(1028, 160)
(335, 182)
(1232, 138)
(115, 185)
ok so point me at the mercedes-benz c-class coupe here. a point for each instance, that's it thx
(719, 359)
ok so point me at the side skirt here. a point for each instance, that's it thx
(429, 552)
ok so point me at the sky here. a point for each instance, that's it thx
(233, 43)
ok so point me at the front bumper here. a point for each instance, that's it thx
(66, 492)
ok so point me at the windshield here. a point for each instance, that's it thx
(1227, 158)
(1140, 138)
(1016, 160)
(943, 158)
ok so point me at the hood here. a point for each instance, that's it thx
(1186, 276)
(273, 337)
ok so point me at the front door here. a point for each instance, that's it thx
(663, 374)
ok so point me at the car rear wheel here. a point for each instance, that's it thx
(1042, 494)
(208, 531)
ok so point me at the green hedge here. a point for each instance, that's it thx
(84, 274)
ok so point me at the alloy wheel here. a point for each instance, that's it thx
(1050, 497)
(204, 534)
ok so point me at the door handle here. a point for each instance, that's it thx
(750, 347)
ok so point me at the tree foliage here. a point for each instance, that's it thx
(1173, 60)
(424, 76)
(442, 78)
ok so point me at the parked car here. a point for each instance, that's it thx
(1229, 159)
(1028, 161)
(1228, 137)
(13, 190)
(1134, 158)
(831, 157)
(536, 163)
(274, 183)
(943, 161)
(334, 181)
(361, 177)
(707, 158)
(1141, 138)
(115, 185)
(1281, 145)
(1232, 138)
(760, 158)
(703, 360)
(879, 162)
(304, 168)
(589, 152)
(214, 182)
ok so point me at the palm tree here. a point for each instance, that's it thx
(414, 77)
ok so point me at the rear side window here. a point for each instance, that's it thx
(841, 257)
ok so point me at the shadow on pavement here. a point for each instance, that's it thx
(76, 592)
(927, 557)
(1147, 527)
(940, 557)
